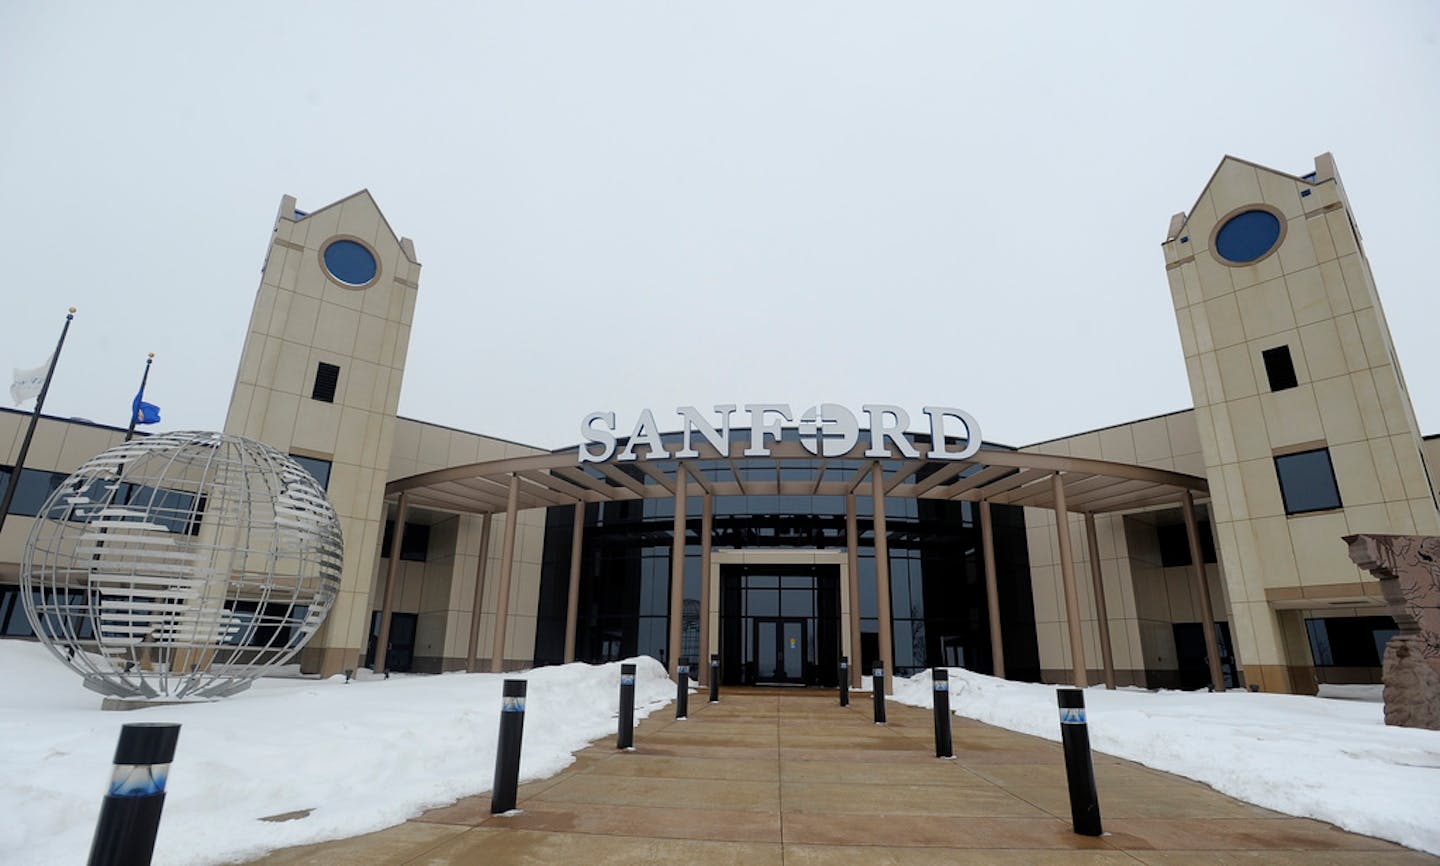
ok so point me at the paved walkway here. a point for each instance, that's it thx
(772, 777)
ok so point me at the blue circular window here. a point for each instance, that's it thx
(1247, 236)
(350, 263)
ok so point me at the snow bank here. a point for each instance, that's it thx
(363, 755)
(1334, 760)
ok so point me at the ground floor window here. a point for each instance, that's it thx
(1191, 654)
(1349, 641)
(400, 656)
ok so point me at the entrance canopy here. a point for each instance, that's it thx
(994, 475)
(788, 469)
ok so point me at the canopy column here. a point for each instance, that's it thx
(882, 577)
(1102, 617)
(392, 574)
(992, 591)
(473, 648)
(852, 562)
(572, 601)
(507, 563)
(677, 574)
(1202, 583)
(707, 520)
(1067, 575)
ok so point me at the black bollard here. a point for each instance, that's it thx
(714, 679)
(507, 754)
(879, 692)
(682, 691)
(626, 739)
(844, 681)
(130, 812)
(1079, 769)
(940, 677)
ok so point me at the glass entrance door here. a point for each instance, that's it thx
(779, 651)
(779, 623)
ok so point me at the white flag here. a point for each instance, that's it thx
(27, 383)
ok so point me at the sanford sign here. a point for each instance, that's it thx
(825, 430)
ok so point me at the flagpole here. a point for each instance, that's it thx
(135, 410)
(30, 432)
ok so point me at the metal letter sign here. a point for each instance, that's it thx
(826, 430)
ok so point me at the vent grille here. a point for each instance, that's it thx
(327, 376)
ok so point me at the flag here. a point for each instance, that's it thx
(142, 412)
(26, 384)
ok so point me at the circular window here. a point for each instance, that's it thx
(1247, 236)
(350, 263)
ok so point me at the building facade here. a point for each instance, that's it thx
(1196, 548)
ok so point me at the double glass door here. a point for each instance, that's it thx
(779, 651)
(780, 624)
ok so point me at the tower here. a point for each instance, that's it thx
(320, 377)
(1305, 423)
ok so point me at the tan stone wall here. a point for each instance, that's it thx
(1316, 295)
(303, 317)
(442, 589)
(58, 446)
(1142, 599)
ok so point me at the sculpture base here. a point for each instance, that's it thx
(1412, 687)
(141, 703)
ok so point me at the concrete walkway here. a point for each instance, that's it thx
(778, 776)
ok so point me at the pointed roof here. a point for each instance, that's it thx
(406, 245)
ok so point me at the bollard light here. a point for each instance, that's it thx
(714, 679)
(626, 737)
(878, 692)
(682, 692)
(844, 681)
(507, 753)
(1079, 769)
(130, 812)
(940, 678)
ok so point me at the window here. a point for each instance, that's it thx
(1175, 543)
(414, 542)
(1279, 368)
(35, 487)
(1307, 481)
(1248, 236)
(318, 469)
(327, 376)
(1355, 642)
(350, 263)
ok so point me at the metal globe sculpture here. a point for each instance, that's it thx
(181, 566)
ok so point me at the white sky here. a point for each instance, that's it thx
(622, 205)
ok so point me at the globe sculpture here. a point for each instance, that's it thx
(181, 566)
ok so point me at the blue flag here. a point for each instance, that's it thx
(142, 412)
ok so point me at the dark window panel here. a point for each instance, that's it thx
(318, 469)
(327, 378)
(1279, 368)
(1175, 543)
(1307, 481)
(414, 541)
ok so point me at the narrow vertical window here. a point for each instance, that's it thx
(327, 376)
(1279, 368)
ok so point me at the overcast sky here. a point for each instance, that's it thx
(629, 205)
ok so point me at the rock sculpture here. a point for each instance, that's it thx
(1408, 567)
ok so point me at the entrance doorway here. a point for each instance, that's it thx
(780, 624)
(779, 652)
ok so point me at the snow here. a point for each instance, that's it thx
(363, 755)
(374, 752)
(1333, 760)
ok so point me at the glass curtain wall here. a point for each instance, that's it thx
(936, 575)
